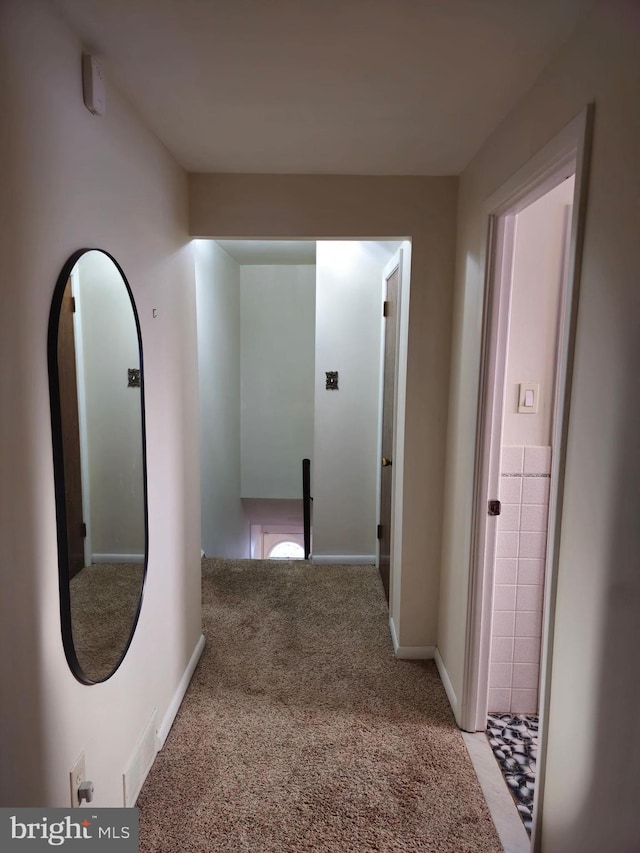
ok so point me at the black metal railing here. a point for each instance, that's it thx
(306, 506)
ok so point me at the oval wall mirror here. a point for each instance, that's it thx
(97, 414)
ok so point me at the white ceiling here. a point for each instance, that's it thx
(324, 86)
(251, 252)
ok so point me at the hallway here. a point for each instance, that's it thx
(302, 731)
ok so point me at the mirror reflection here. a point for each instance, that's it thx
(99, 455)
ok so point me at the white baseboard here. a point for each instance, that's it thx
(394, 636)
(174, 706)
(344, 559)
(409, 652)
(117, 558)
(446, 681)
(415, 652)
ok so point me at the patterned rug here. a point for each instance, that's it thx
(514, 741)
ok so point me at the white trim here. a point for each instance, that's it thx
(502, 807)
(344, 559)
(561, 414)
(178, 696)
(409, 652)
(416, 652)
(546, 169)
(394, 635)
(81, 385)
(397, 492)
(496, 309)
(395, 263)
(117, 558)
(446, 682)
(568, 152)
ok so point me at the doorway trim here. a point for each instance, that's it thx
(394, 265)
(568, 152)
(82, 415)
(400, 261)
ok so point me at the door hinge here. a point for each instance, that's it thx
(386, 308)
(83, 529)
(379, 532)
(73, 305)
(495, 507)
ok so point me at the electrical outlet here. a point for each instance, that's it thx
(77, 776)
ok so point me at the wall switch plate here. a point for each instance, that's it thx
(77, 776)
(528, 396)
(332, 380)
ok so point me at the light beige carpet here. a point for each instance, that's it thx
(104, 602)
(302, 732)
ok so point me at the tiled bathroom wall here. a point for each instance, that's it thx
(519, 579)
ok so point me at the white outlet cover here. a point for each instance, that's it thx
(77, 776)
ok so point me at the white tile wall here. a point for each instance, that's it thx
(528, 624)
(509, 518)
(530, 571)
(502, 651)
(533, 544)
(519, 580)
(525, 650)
(537, 460)
(512, 460)
(507, 543)
(525, 675)
(501, 675)
(534, 517)
(500, 697)
(529, 597)
(507, 570)
(523, 701)
(511, 489)
(504, 597)
(535, 490)
(504, 623)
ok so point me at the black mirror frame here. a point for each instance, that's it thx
(58, 469)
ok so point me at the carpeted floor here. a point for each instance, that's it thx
(104, 602)
(302, 732)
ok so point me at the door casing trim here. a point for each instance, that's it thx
(569, 150)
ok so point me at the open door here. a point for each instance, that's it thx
(390, 313)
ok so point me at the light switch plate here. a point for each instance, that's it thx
(533, 388)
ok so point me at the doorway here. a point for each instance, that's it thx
(535, 276)
(534, 517)
(290, 363)
(391, 303)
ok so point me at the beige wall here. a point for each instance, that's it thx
(225, 527)
(112, 409)
(326, 207)
(538, 272)
(277, 332)
(71, 180)
(344, 465)
(590, 801)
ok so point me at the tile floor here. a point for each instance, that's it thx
(514, 741)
